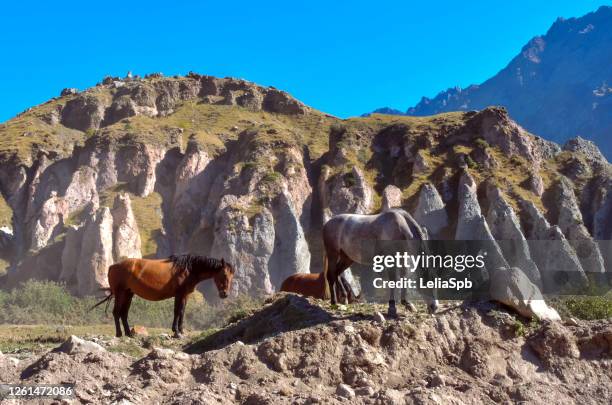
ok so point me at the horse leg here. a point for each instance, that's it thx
(178, 306)
(347, 290)
(182, 314)
(332, 259)
(392, 310)
(124, 313)
(408, 305)
(117, 311)
(343, 264)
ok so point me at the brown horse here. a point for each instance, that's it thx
(156, 280)
(314, 285)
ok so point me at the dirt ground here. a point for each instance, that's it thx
(301, 351)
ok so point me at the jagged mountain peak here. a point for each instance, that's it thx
(558, 86)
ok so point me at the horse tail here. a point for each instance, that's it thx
(326, 292)
(106, 299)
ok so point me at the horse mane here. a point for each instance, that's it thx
(194, 263)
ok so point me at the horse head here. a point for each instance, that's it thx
(223, 278)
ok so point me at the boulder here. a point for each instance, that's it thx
(345, 391)
(391, 198)
(96, 253)
(512, 287)
(430, 211)
(68, 91)
(126, 237)
(75, 345)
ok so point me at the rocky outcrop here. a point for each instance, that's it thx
(494, 125)
(472, 228)
(430, 211)
(71, 254)
(94, 109)
(82, 188)
(126, 238)
(558, 264)
(512, 287)
(586, 148)
(506, 229)
(535, 184)
(569, 219)
(345, 193)
(96, 253)
(84, 112)
(50, 218)
(244, 240)
(391, 198)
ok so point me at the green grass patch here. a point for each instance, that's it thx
(585, 307)
(6, 213)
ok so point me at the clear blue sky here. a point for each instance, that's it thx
(342, 57)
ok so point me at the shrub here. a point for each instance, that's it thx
(471, 163)
(481, 143)
(587, 307)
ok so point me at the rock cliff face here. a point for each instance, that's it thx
(223, 167)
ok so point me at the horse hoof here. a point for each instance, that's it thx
(392, 313)
(409, 306)
(177, 336)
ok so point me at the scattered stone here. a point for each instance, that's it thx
(345, 391)
(379, 317)
(365, 391)
(69, 91)
(77, 345)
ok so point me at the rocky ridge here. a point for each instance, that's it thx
(227, 168)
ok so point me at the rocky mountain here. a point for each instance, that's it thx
(559, 86)
(223, 167)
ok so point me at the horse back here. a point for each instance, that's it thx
(149, 279)
(308, 284)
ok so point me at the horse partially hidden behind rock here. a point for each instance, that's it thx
(315, 285)
(156, 280)
(345, 236)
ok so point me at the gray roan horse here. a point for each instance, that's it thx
(344, 236)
